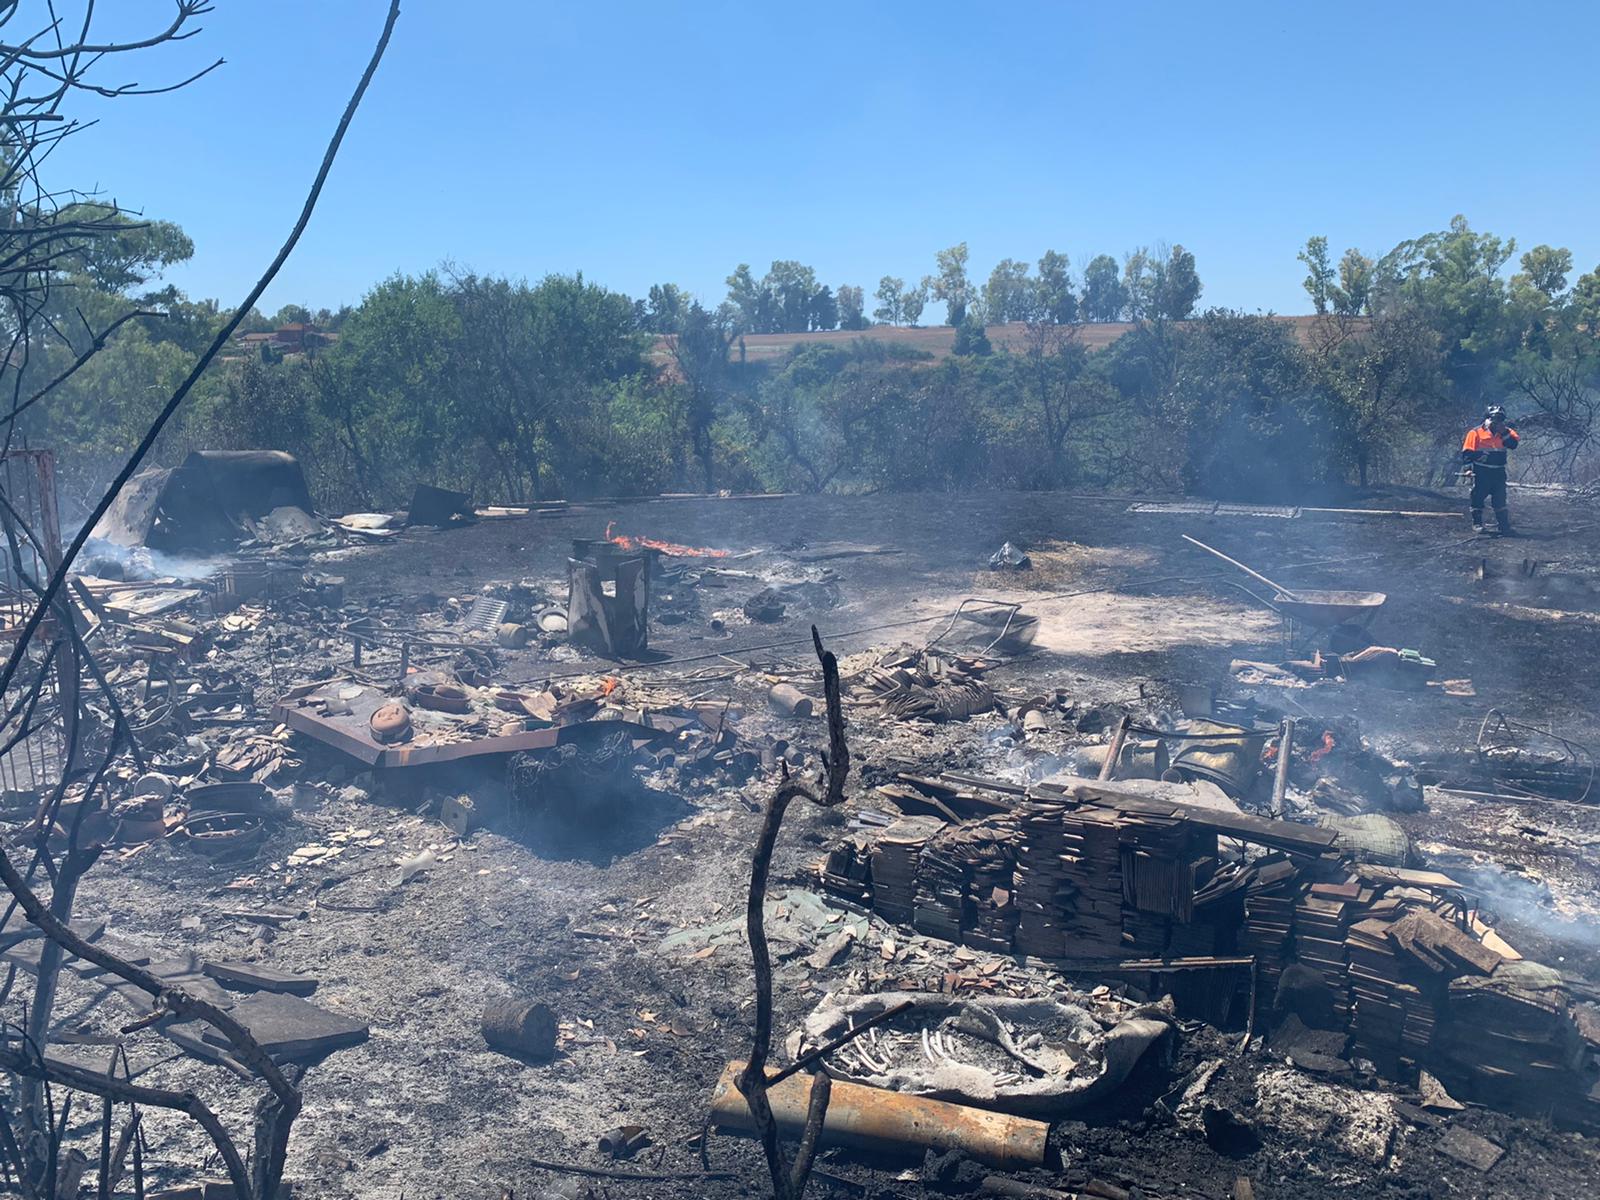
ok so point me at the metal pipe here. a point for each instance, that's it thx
(1114, 751)
(1280, 782)
(873, 1119)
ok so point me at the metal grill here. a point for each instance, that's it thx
(28, 485)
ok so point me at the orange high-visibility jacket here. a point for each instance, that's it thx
(1483, 448)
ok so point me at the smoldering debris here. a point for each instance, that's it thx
(566, 830)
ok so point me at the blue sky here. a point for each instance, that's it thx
(643, 142)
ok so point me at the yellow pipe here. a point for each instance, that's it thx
(874, 1119)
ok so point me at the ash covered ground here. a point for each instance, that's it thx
(627, 920)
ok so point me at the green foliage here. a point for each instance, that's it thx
(1389, 380)
(122, 261)
(891, 300)
(852, 308)
(664, 309)
(1544, 270)
(1104, 297)
(1319, 280)
(1140, 285)
(1177, 285)
(1453, 280)
(971, 340)
(949, 283)
(1057, 302)
(700, 353)
(1585, 303)
(1010, 294)
(514, 390)
(1354, 291)
(1248, 411)
(912, 301)
(788, 299)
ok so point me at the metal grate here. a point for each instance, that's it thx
(1213, 508)
(30, 554)
(486, 613)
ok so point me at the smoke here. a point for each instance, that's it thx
(1528, 901)
(110, 560)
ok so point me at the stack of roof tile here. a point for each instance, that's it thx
(1510, 1040)
(1069, 883)
(1320, 923)
(1269, 919)
(894, 866)
(941, 886)
(991, 857)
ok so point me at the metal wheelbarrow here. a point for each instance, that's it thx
(1312, 609)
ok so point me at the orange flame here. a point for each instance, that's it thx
(644, 543)
(609, 684)
(1326, 748)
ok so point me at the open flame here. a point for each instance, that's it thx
(1324, 750)
(609, 684)
(644, 543)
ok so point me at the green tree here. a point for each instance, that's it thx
(1354, 291)
(1104, 298)
(389, 387)
(824, 309)
(1244, 413)
(912, 301)
(792, 288)
(971, 340)
(890, 295)
(1453, 279)
(1585, 303)
(1056, 300)
(664, 309)
(1061, 389)
(291, 314)
(746, 297)
(700, 351)
(852, 307)
(1389, 378)
(1319, 280)
(125, 255)
(1545, 270)
(949, 284)
(1142, 274)
(1009, 295)
(1177, 285)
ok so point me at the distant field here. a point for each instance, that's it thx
(938, 340)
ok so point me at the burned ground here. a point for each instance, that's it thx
(629, 924)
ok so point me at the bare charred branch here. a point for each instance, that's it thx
(789, 1178)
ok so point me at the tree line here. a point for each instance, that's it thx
(561, 387)
(790, 299)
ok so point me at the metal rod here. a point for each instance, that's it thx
(1114, 751)
(1280, 781)
(1283, 591)
(805, 1060)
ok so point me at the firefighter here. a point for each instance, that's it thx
(1484, 449)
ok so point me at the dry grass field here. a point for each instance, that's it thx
(939, 340)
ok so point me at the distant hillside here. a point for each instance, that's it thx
(938, 340)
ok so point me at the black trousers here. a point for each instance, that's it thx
(1489, 483)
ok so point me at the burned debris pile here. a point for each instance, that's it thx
(1094, 877)
(1054, 901)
